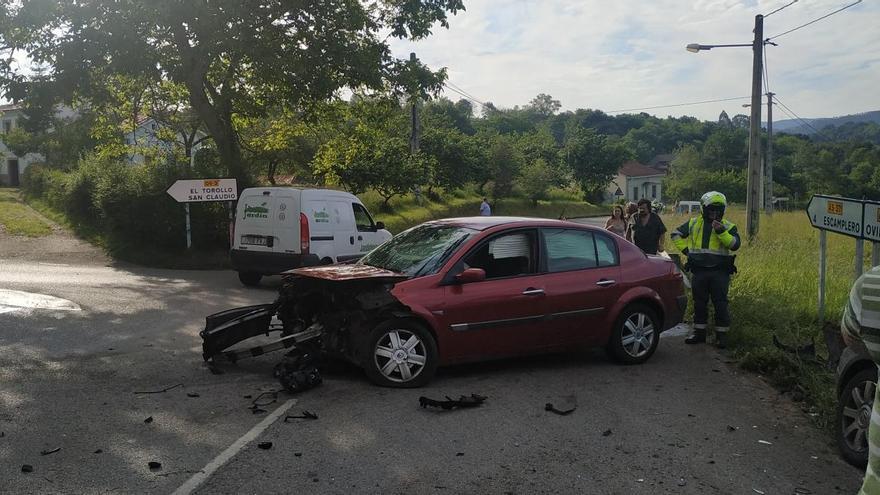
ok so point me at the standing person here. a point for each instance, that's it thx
(861, 322)
(709, 241)
(616, 223)
(485, 209)
(646, 228)
(628, 214)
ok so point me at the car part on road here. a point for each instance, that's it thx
(854, 409)
(192, 395)
(257, 405)
(473, 400)
(299, 370)
(807, 351)
(50, 451)
(148, 420)
(27, 468)
(304, 415)
(265, 445)
(561, 412)
(154, 466)
(159, 391)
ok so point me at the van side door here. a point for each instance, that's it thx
(368, 236)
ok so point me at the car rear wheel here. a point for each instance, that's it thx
(635, 335)
(402, 354)
(854, 416)
(249, 279)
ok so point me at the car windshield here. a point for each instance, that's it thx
(420, 250)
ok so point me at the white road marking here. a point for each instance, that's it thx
(15, 300)
(206, 472)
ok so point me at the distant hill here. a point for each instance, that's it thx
(797, 127)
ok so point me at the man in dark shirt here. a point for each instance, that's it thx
(646, 230)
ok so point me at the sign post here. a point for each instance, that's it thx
(201, 191)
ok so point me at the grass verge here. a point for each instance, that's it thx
(17, 218)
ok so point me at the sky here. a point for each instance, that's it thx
(631, 54)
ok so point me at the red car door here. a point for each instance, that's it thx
(504, 314)
(582, 283)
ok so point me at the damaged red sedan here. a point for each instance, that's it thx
(468, 289)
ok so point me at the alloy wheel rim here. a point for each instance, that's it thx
(857, 416)
(400, 355)
(638, 334)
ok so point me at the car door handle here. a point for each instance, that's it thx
(605, 282)
(531, 291)
(351, 240)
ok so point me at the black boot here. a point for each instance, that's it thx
(698, 337)
(721, 340)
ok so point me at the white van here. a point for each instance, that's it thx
(280, 228)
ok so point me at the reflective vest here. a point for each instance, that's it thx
(706, 249)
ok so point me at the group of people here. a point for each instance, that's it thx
(708, 241)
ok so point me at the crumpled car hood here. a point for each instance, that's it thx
(347, 272)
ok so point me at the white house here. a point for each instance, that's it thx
(146, 135)
(12, 166)
(635, 181)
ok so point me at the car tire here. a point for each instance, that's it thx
(854, 416)
(393, 359)
(635, 335)
(250, 279)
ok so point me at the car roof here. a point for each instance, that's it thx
(488, 222)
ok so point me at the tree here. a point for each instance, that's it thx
(544, 105)
(535, 180)
(740, 121)
(593, 158)
(724, 120)
(232, 57)
(504, 164)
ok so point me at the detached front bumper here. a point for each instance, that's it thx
(227, 328)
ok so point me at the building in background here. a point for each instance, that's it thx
(635, 181)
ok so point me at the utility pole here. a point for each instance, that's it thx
(753, 193)
(414, 125)
(768, 180)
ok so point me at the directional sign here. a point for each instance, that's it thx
(841, 215)
(201, 190)
(871, 222)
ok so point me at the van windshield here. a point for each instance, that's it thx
(419, 251)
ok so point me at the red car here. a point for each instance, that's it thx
(472, 289)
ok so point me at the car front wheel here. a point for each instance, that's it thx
(854, 416)
(635, 335)
(402, 354)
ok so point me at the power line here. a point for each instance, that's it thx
(815, 20)
(780, 8)
(468, 98)
(462, 92)
(679, 104)
(817, 131)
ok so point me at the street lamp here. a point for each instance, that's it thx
(754, 173)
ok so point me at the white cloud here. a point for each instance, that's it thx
(617, 55)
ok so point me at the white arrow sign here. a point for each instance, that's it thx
(841, 215)
(201, 190)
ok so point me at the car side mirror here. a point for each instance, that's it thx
(380, 225)
(471, 275)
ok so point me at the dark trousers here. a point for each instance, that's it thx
(711, 284)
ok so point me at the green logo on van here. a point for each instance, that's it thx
(322, 217)
(256, 211)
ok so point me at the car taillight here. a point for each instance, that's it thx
(303, 234)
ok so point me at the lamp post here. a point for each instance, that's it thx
(754, 171)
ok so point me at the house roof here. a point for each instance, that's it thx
(8, 107)
(636, 169)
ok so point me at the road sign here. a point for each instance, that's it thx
(201, 190)
(841, 215)
(871, 221)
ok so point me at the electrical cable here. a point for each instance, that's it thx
(780, 8)
(784, 107)
(815, 20)
(678, 104)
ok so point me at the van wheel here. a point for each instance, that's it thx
(326, 260)
(854, 407)
(249, 279)
(400, 353)
(635, 335)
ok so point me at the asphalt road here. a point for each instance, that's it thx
(685, 422)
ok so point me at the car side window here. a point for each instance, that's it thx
(507, 255)
(569, 250)
(362, 219)
(606, 250)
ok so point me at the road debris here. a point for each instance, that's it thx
(148, 420)
(473, 400)
(299, 370)
(50, 451)
(607, 433)
(732, 428)
(154, 466)
(764, 442)
(99, 451)
(257, 404)
(759, 492)
(459, 454)
(562, 412)
(802, 491)
(159, 391)
(192, 395)
(304, 415)
(265, 445)
(27, 468)
(682, 482)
